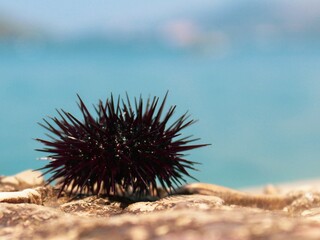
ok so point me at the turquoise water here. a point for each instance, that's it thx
(258, 107)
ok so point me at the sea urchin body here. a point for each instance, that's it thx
(123, 146)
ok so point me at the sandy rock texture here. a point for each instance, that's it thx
(196, 211)
(20, 181)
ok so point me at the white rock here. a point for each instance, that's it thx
(28, 178)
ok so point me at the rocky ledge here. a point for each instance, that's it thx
(31, 210)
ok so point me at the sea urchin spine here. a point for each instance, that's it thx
(122, 147)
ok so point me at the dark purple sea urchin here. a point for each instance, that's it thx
(122, 147)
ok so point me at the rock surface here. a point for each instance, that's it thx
(25, 179)
(197, 211)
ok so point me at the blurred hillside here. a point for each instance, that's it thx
(258, 22)
(205, 24)
(11, 29)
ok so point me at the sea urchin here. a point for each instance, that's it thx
(126, 147)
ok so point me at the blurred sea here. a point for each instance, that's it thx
(258, 106)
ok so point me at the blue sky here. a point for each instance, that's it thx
(232, 21)
(73, 16)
